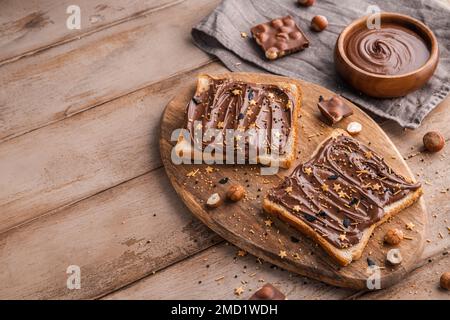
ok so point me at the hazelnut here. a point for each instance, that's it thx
(272, 53)
(236, 193)
(306, 3)
(445, 280)
(393, 236)
(214, 201)
(394, 257)
(433, 141)
(265, 293)
(319, 23)
(354, 128)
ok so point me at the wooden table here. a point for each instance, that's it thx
(81, 179)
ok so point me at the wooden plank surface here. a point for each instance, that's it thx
(67, 79)
(27, 27)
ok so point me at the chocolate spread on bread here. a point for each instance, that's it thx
(341, 191)
(241, 106)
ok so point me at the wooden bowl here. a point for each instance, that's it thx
(386, 86)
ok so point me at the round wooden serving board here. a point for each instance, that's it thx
(243, 223)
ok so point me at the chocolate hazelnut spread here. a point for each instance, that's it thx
(242, 106)
(390, 50)
(341, 191)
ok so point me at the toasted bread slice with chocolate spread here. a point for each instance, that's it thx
(343, 255)
(285, 97)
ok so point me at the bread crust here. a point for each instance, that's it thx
(184, 148)
(341, 256)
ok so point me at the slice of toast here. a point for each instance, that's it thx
(302, 217)
(209, 97)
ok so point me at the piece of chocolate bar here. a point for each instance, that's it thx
(268, 292)
(280, 37)
(334, 109)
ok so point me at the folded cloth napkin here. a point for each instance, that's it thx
(220, 34)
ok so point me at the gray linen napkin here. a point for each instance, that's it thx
(219, 34)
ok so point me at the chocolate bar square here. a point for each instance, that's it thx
(280, 37)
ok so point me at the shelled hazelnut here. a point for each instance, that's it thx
(354, 128)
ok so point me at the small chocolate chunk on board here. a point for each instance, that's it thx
(280, 37)
(268, 292)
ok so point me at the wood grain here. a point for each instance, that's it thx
(218, 272)
(84, 154)
(29, 27)
(246, 228)
(105, 65)
(116, 237)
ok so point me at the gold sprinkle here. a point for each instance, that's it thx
(325, 188)
(308, 171)
(252, 102)
(282, 254)
(288, 189)
(296, 208)
(336, 187)
(236, 92)
(244, 35)
(209, 169)
(268, 222)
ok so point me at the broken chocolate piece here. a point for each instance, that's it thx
(334, 109)
(280, 37)
(268, 292)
